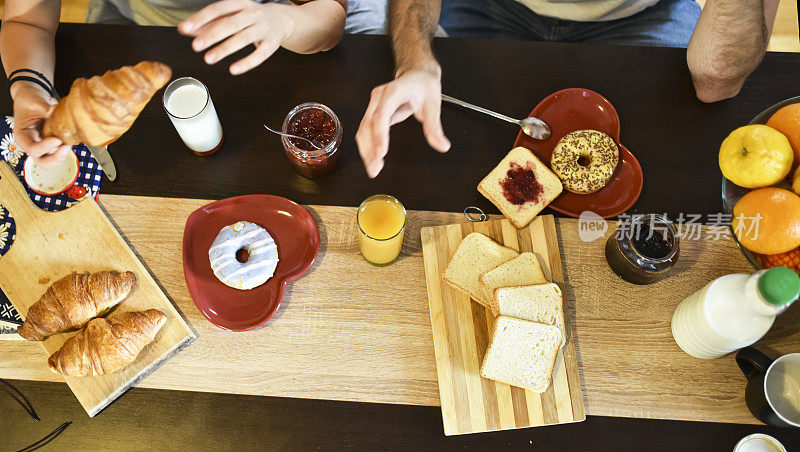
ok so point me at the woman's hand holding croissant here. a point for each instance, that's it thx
(31, 106)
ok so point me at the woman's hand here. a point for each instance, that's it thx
(235, 24)
(31, 106)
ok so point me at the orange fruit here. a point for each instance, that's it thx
(787, 121)
(789, 259)
(767, 220)
(796, 182)
(756, 156)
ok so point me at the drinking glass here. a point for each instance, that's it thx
(188, 105)
(381, 221)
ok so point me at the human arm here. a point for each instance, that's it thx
(728, 43)
(416, 89)
(27, 40)
(310, 27)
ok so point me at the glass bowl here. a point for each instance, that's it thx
(731, 193)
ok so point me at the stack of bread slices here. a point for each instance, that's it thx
(529, 326)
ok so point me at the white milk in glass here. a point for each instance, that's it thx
(192, 112)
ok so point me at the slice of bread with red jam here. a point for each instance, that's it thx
(521, 186)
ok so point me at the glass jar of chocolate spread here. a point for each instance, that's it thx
(317, 123)
(643, 249)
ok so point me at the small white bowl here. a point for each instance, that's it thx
(51, 181)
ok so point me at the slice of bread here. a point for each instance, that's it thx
(521, 186)
(523, 270)
(522, 353)
(475, 255)
(542, 303)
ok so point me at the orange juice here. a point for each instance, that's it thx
(381, 225)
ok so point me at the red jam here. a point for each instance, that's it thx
(313, 168)
(520, 185)
(312, 124)
(316, 123)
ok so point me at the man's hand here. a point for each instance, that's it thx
(237, 24)
(417, 92)
(31, 106)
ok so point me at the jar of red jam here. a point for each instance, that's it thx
(317, 123)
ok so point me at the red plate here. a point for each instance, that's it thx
(295, 233)
(574, 109)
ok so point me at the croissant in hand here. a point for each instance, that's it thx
(107, 345)
(97, 111)
(73, 300)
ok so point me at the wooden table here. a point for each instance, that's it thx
(367, 338)
(679, 133)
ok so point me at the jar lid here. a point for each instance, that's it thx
(779, 286)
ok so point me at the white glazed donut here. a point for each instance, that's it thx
(259, 244)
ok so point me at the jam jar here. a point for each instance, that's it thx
(317, 123)
(643, 249)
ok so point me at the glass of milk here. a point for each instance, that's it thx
(188, 105)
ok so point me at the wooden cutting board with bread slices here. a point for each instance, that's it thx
(463, 330)
(50, 245)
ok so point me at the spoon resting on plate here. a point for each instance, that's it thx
(533, 127)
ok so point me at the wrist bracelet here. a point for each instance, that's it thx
(34, 80)
(38, 74)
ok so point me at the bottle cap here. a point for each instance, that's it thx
(779, 286)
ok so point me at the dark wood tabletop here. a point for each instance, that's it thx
(675, 137)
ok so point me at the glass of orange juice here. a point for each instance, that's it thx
(381, 223)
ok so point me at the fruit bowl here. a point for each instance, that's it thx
(731, 193)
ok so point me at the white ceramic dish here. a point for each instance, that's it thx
(51, 181)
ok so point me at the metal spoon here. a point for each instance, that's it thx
(289, 135)
(533, 127)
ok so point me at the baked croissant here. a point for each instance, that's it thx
(107, 345)
(97, 111)
(73, 300)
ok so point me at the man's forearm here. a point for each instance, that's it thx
(728, 43)
(27, 36)
(412, 24)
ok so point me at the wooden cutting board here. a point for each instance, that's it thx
(461, 328)
(50, 245)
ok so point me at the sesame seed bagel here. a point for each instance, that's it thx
(585, 160)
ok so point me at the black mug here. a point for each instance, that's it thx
(773, 387)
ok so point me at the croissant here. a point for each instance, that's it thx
(73, 300)
(107, 345)
(97, 111)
